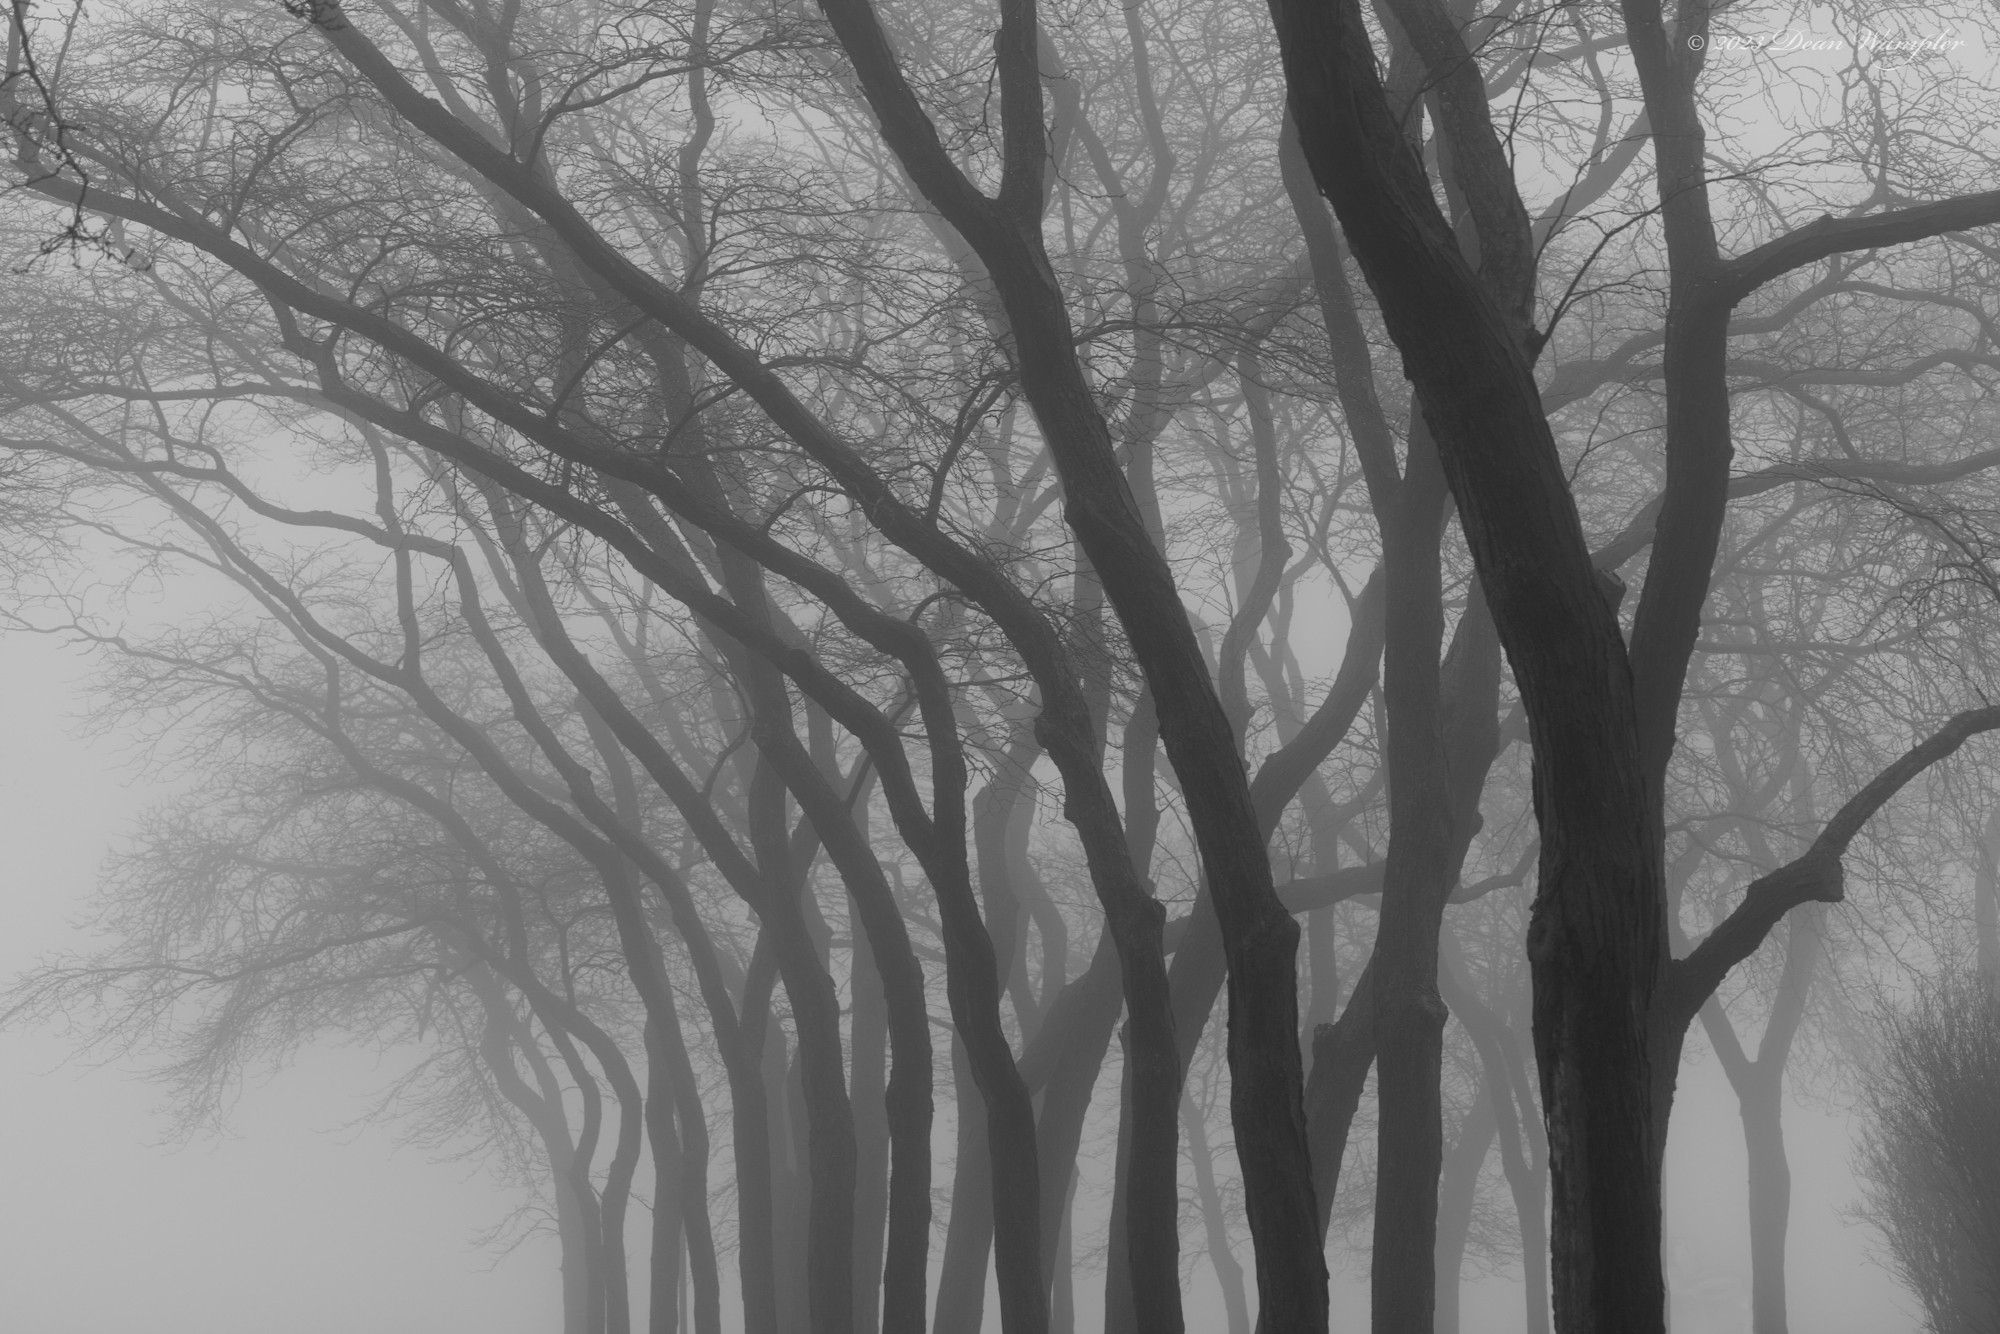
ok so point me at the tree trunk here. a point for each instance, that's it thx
(1228, 1271)
(1062, 1291)
(1408, 1014)
(1762, 1106)
(759, 1185)
(1458, 1193)
(1121, 1312)
(968, 1240)
(869, 1024)
(1597, 939)
(1523, 1158)
(1986, 905)
(663, 1310)
(1071, 1047)
(666, 1049)
(1260, 937)
(791, 1191)
(1343, 1053)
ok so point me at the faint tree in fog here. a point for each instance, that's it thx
(1934, 1180)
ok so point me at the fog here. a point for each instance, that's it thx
(309, 1215)
(304, 1214)
(1054, 666)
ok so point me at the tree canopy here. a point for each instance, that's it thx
(767, 579)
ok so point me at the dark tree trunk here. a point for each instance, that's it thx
(664, 1272)
(1597, 940)
(1259, 935)
(1121, 1308)
(1408, 1014)
(791, 1191)
(666, 1049)
(968, 1239)
(869, 1024)
(1343, 1053)
(756, 1133)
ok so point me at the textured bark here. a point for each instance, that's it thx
(1408, 1016)
(1597, 939)
(1601, 722)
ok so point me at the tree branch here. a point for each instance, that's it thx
(1815, 875)
(1827, 236)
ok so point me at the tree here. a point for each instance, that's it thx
(1934, 1108)
(1612, 1004)
(784, 433)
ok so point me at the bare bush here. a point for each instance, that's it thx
(1929, 1156)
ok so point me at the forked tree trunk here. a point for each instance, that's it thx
(1260, 937)
(1597, 941)
(702, 1279)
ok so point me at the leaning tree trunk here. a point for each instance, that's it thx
(870, 1031)
(1597, 939)
(1259, 935)
(968, 1240)
(1228, 1272)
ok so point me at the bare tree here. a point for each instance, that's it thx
(1933, 1104)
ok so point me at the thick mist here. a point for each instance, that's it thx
(680, 666)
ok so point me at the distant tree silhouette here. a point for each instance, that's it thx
(1934, 1178)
